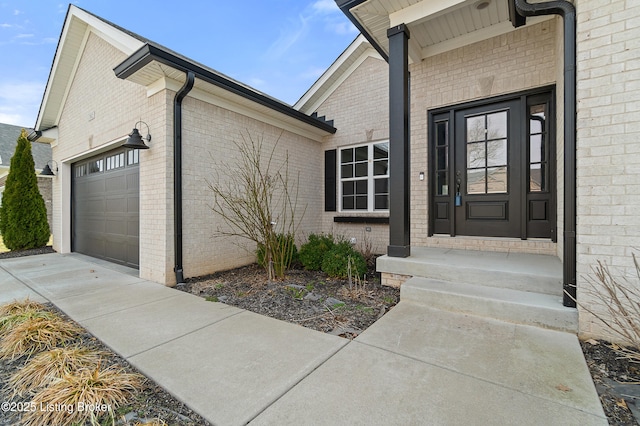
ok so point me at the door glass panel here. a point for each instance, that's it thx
(476, 155)
(441, 183)
(497, 125)
(535, 148)
(538, 150)
(442, 157)
(497, 153)
(476, 182)
(475, 129)
(487, 153)
(496, 180)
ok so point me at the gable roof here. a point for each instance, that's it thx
(8, 139)
(353, 56)
(142, 67)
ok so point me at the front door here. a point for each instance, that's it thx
(487, 171)
(492, 168)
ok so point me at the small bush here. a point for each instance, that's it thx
(313, 251)
(284, 252)
(336, 261)
(23, 214)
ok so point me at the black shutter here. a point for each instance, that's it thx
(330, 173)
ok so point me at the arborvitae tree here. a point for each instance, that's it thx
(23, 215)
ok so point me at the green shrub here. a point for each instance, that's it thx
(284, 252)
(336, 261)
(23, 215)
(312, 252)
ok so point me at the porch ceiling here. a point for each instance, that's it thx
(436, 26)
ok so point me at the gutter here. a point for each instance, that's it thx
(568, 13)
(151, 52)
(177, 174)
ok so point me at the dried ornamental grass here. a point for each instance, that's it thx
(17, 312)
(85, 395)
(19, 306)
(47, 367)
(37, 335)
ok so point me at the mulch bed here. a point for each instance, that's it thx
(30, 252)
(306, 298)
(617, 381)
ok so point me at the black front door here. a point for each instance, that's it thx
(492, 168)
(487, 171)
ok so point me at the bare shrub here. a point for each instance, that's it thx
(620, 297)
(258, 201)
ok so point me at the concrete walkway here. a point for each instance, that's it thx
(415, 366)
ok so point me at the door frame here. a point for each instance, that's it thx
(441, 208)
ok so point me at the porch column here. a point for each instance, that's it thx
(399, 191)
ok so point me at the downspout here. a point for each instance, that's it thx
(568, 13)
(177, 173)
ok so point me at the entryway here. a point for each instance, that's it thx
(493, 168)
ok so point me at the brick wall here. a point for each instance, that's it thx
(210, 156)
(360, 110)
(608, 147)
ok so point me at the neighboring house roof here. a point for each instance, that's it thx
(353, 56)
(8, 139)
(147, 65)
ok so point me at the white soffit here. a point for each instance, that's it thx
(437, 26)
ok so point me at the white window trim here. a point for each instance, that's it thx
(370, 178)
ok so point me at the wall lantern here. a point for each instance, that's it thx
(48, 171)
(135, 140)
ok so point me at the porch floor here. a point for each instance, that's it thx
(516, 287)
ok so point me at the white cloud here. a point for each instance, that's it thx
(312, 73)
(17, 12)
(6, 25)
(15, 119)
(325, 6)
(20, 101)
(288, 38)
(25, 35)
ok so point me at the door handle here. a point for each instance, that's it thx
(458, 202)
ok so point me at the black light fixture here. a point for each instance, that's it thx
(48, 171)
(135, 140)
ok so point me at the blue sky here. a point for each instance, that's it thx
(277, 46)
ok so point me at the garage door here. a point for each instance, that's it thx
(105, 206)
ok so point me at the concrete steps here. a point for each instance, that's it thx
(517, 306)
(514, 287)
